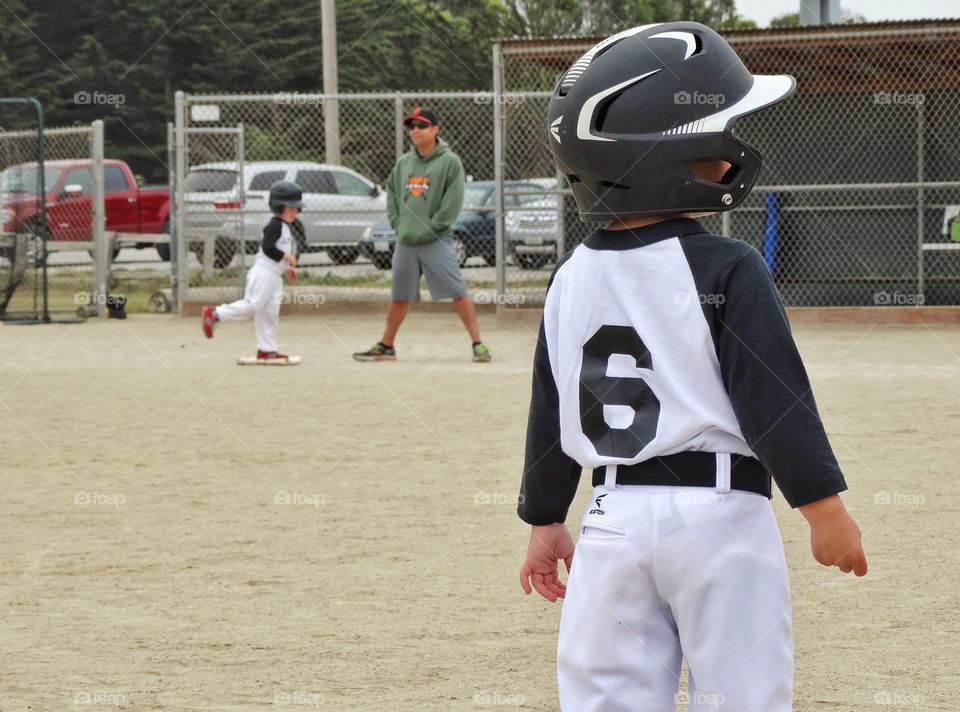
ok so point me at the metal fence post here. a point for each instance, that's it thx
(241, 196)
(398, 123)
(498, 159)
(178, 256)
(101, 249)
(921, 199)
(172, 211)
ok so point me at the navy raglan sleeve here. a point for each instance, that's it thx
(768, 385)
(550, 476)
(271, 234)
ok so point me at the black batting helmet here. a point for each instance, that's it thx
(285, 193)
(629, 120)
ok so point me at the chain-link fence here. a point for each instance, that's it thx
(857, 199)
(855, 204)
(47, 251)
(234, 147)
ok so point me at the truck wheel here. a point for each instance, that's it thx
(343, 255)
(224, 248)
(382, 260)
(533, 261)
(163, 248)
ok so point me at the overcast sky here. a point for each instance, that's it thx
(762, 11)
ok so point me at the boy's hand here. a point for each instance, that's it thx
(290, 259)
(834, 536)
(291, 275)
(548, 544)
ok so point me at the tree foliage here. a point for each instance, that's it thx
(123, 61)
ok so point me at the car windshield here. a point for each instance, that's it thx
(24, 179)
(475, 196)
(211, 180)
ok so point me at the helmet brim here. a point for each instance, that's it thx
(767, 89)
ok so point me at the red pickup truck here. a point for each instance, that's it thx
(68, 185)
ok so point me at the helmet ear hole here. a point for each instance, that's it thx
(716, 171)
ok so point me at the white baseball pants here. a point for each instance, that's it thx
(261, 301)
(662, 574)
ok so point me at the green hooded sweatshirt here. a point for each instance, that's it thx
(425, 195)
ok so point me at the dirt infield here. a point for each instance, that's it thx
(181, 533)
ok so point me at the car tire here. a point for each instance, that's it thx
(460, 249)
(224, 248)
(299, 238)
(343, 255)
(382, 260)
(531, 262)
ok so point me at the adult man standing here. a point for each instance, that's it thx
(424, 198)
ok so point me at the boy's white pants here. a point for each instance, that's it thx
(261, 300)
(662, 574)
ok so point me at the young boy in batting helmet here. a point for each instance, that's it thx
(665, 364)
(264, 288)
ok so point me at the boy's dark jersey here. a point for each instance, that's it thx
(272, 232)
(667, 339)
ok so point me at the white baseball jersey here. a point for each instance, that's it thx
(662, 340)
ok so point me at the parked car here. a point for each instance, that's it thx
(339, 204)
(531, 233)
(68, 185)
(530, 227)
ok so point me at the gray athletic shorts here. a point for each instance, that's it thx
(437, 261)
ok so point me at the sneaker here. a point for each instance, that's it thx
(377, 352)
(209, 321)
(481, 354)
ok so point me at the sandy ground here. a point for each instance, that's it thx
(181, 533)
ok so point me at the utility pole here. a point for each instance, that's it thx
(331, 107)
(819, 12)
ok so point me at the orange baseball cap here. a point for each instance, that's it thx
(424, 117)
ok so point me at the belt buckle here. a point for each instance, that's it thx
(723, 473)
(610, 478)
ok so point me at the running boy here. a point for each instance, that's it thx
(264, 290)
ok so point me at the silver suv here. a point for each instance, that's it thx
(339, 204)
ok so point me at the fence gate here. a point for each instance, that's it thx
(208, 225)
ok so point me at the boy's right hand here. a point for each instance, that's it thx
(834, 536)
(290, 259)
(548, 545)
